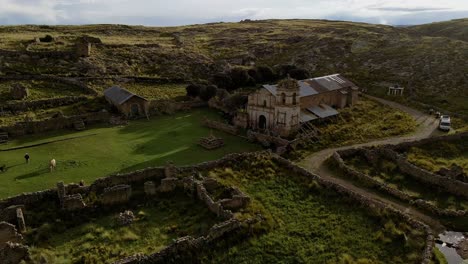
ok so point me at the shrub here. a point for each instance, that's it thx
(299, 74)
(240, 77)
(266, 74)
(208, 92)
(235, 102)
(223, 80)
(193, 90)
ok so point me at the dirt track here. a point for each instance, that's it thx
(426, 127)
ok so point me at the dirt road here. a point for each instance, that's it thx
(426, 127)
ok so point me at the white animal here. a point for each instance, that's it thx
(52, 164)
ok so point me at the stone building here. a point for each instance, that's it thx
(282, 108)
(128, 103)
(395, 90)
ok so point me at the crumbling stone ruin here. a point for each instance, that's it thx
(13, 253)
(125, 218)
(83, 48)
(211, 142)
(11, 249)
(69, 202)
(19, 92)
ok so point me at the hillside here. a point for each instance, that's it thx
(456, 29)
(434, 69)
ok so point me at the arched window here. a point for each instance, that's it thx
(294, 99)
(283, 98)
(264, 103)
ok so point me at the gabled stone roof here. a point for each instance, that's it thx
(118, 95)
(317, 85)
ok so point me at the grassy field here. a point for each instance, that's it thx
(388, 173)
(100, 240)
(104, 150)
(365, 121)
(311, 224)
(433, 157)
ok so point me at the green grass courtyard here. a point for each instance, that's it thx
(104, 150)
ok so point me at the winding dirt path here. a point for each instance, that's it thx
(426, 127)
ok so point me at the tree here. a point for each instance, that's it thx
(240, 77)
(266, 74)
(193, 90)
(223, 80)
(235, 102)
(207, 92)
(299, 74)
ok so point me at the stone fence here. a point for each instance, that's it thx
(374, 183)
(233, 130)
(39, 54)
(63, 80)
(41, 104)
(420, 143)
(170, 106)
(24, 128)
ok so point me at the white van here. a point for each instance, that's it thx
(444, 123)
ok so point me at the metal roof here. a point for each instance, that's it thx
(118, 95)
(317, 85)
(322, 110)
(307, 116)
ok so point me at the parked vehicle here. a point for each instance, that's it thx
(444, 123)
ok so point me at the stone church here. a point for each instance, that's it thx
(282, 108)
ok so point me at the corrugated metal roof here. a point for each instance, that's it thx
(318, 85)
(307, 116)
(118, 95)
(323, 110)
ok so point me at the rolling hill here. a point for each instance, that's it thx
(429, 60)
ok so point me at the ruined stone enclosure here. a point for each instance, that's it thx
(90, 217)
(152, 208)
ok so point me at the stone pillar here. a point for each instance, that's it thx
(169, 170)
(61, 191)
(21, 222)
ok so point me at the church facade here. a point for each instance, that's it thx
(282, 108)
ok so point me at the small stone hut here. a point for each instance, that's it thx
(18, 92)
(128, 103)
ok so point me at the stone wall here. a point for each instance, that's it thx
(38, 54)
(117, 194)
(41, 104)
(419, 143)
(63, 80)
(171, 107)
(267, 140)
(233, 130)
(33, 127)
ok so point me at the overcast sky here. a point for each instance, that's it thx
(181, 12)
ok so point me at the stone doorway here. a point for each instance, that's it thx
(262, 122)
(135, 110)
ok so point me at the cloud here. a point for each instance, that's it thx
(408, 9)
(179, 12)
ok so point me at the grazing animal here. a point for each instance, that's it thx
(3, 168)
(52, 165)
